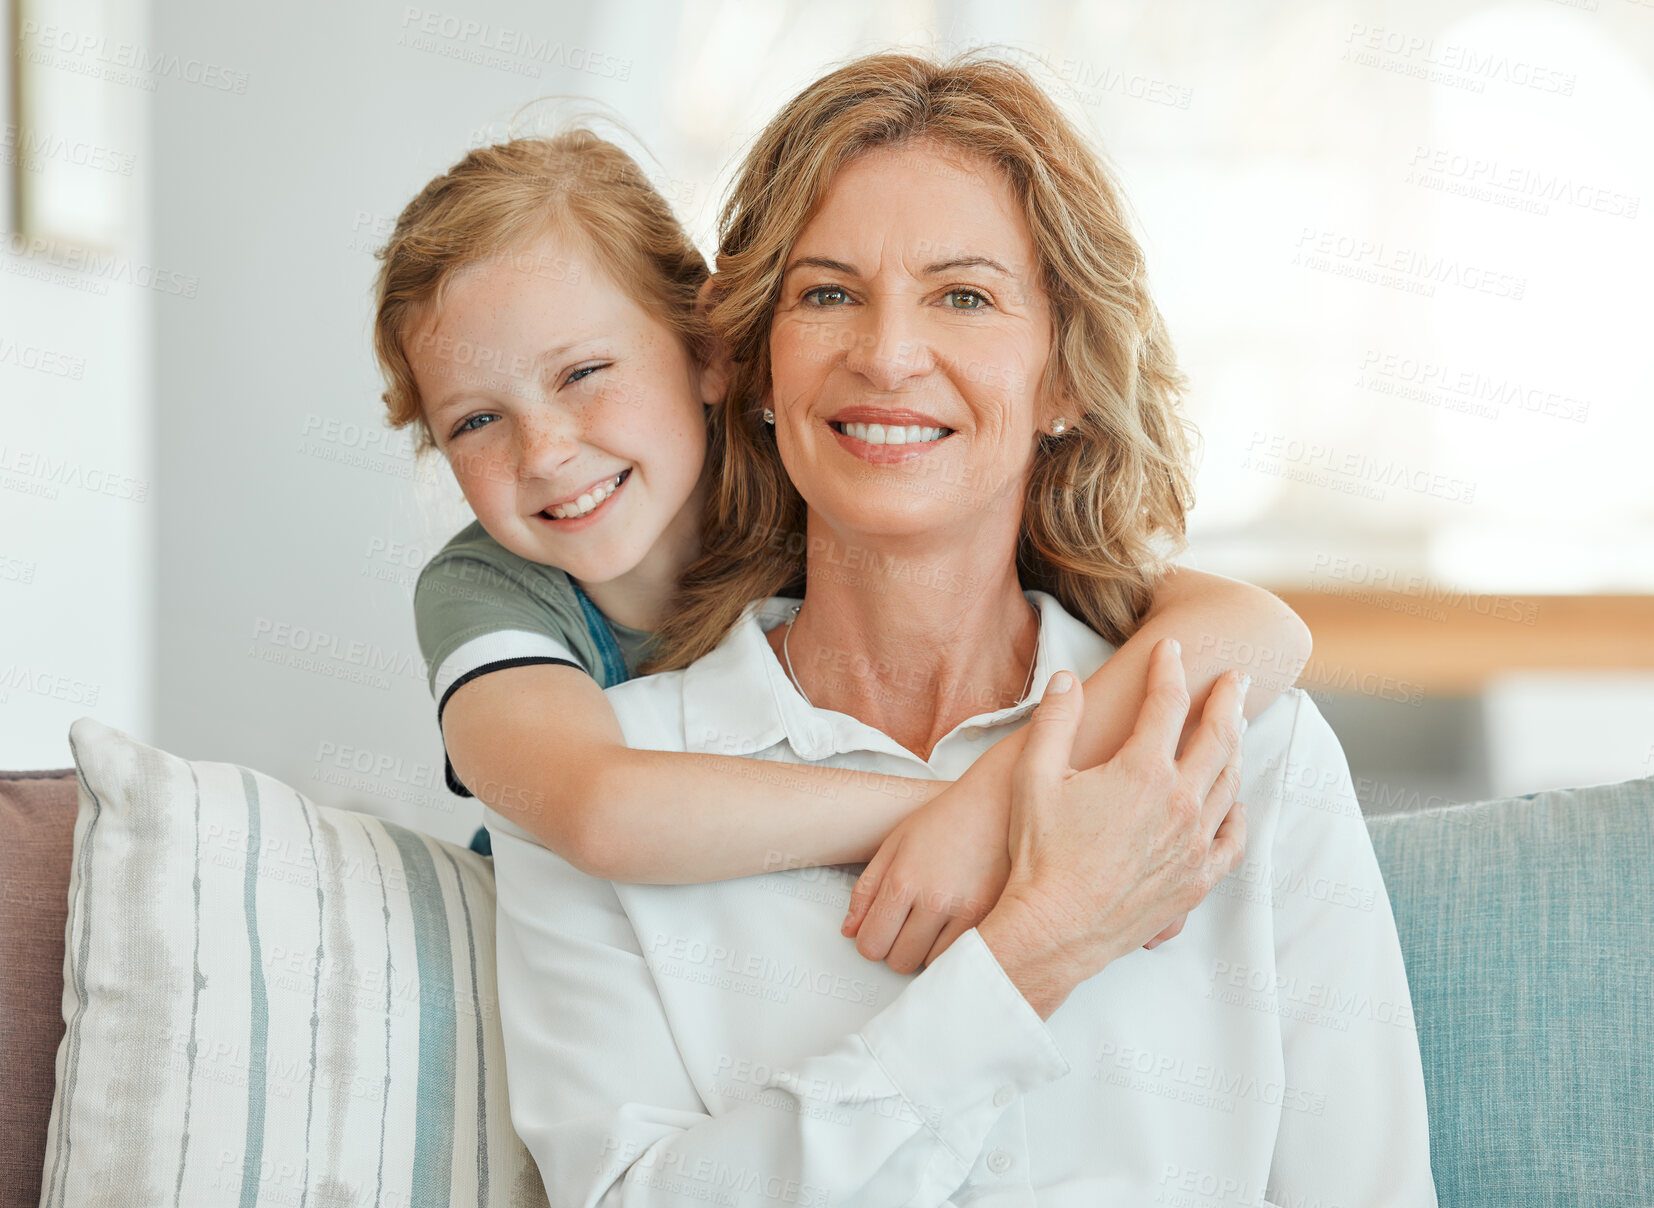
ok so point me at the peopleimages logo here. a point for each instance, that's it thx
(31, 472)
(751, 972)
(31, 148)
(491, 45)
(1516, 186)
(103, 267)
(42, 360)
(1464, 388)
(1452, 63)
(1408, 269)
(1348, 472)
(49, 684)
(1371, 579)
(121, 62)
(330, 655)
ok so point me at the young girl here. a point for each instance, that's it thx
(538, 321)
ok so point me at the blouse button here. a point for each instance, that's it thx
(999, 1161)
(1003, 1096)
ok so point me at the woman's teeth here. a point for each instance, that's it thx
(588, 501)
(883, 434)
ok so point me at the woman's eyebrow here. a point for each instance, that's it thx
(942, 266)
(826, 262)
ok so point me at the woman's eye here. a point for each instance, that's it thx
(965, 299)
(826, 295)
(471, 424)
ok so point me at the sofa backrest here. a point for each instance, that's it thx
(1527, 926)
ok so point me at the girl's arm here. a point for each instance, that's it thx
(672, 818)
(655, 817)
(1222, 625)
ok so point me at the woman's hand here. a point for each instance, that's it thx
(1102, 858)
(937, 874)
(942, 868)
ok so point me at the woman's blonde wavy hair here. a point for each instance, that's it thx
(497, 200)
(1107, 501)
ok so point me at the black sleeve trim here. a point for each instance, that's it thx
(454, 786)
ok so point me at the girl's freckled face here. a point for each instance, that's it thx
(542, 382)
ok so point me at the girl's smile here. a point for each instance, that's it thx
(574, 420)
(573, 513)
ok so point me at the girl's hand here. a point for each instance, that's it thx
(937, 874)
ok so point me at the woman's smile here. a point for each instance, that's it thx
(886, 435)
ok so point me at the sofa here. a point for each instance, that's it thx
(1527, 926)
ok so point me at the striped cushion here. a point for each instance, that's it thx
(271, 1002)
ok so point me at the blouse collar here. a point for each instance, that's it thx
(738, 700)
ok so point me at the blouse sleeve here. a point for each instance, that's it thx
(1353, 1128)
(893, 1114)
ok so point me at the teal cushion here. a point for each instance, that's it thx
(1528, 930)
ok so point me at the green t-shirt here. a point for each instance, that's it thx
(478, 607)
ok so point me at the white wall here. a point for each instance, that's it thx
(280, 481)
(281, 508)
(78, 491)
(285, 505)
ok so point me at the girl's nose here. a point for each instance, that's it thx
(545, 444)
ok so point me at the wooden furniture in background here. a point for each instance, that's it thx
(1451, 643)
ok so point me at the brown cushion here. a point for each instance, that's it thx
(37, 831)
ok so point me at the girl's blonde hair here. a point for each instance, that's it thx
(1100, 498)
(500, 198)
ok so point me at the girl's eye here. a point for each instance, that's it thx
(826, 295)
(966, 299)
(469, 425)
(581, 374)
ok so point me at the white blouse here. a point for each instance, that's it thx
(723, 1043)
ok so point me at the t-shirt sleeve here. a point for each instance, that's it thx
(474, 615)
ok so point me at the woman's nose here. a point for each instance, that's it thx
(889, 349)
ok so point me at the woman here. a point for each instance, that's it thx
(933, 246)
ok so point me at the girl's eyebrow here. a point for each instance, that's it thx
(451, 401)
(501, 367)
(547, 358)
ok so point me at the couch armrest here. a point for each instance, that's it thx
(37, 831)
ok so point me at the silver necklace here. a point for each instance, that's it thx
(1039, 623)
(793, 675)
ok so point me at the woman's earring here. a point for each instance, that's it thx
(769, 416)
(1059, 426)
